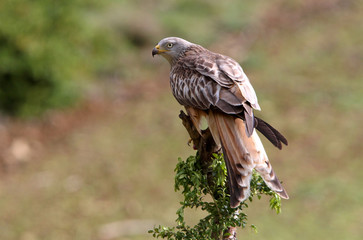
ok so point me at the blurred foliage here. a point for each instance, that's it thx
(48, 49)
(179, 17)
(304, 60)
(45, 48)
(196, 187)
(202, 21)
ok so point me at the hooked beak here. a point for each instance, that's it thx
(157, 50)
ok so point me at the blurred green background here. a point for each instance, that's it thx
(89, 130)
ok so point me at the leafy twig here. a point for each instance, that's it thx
(205, 174)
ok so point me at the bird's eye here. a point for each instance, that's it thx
(170, 45)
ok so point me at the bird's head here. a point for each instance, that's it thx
(170, 48)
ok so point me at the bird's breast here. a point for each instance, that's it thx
(187, 87)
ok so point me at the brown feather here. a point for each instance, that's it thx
(242, 154)
(238, 159)
(274, 136)
(203, 81)
(250, 125)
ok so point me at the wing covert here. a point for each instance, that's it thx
(226, 72)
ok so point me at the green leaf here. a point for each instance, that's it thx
(219, 215)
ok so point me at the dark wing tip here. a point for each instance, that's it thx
(250, 123)
(274, 136)
(283, 140)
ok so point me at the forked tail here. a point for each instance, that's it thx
(242, 154)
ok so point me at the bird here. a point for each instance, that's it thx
(214, 86)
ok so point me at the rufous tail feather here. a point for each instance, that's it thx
(242, 154)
